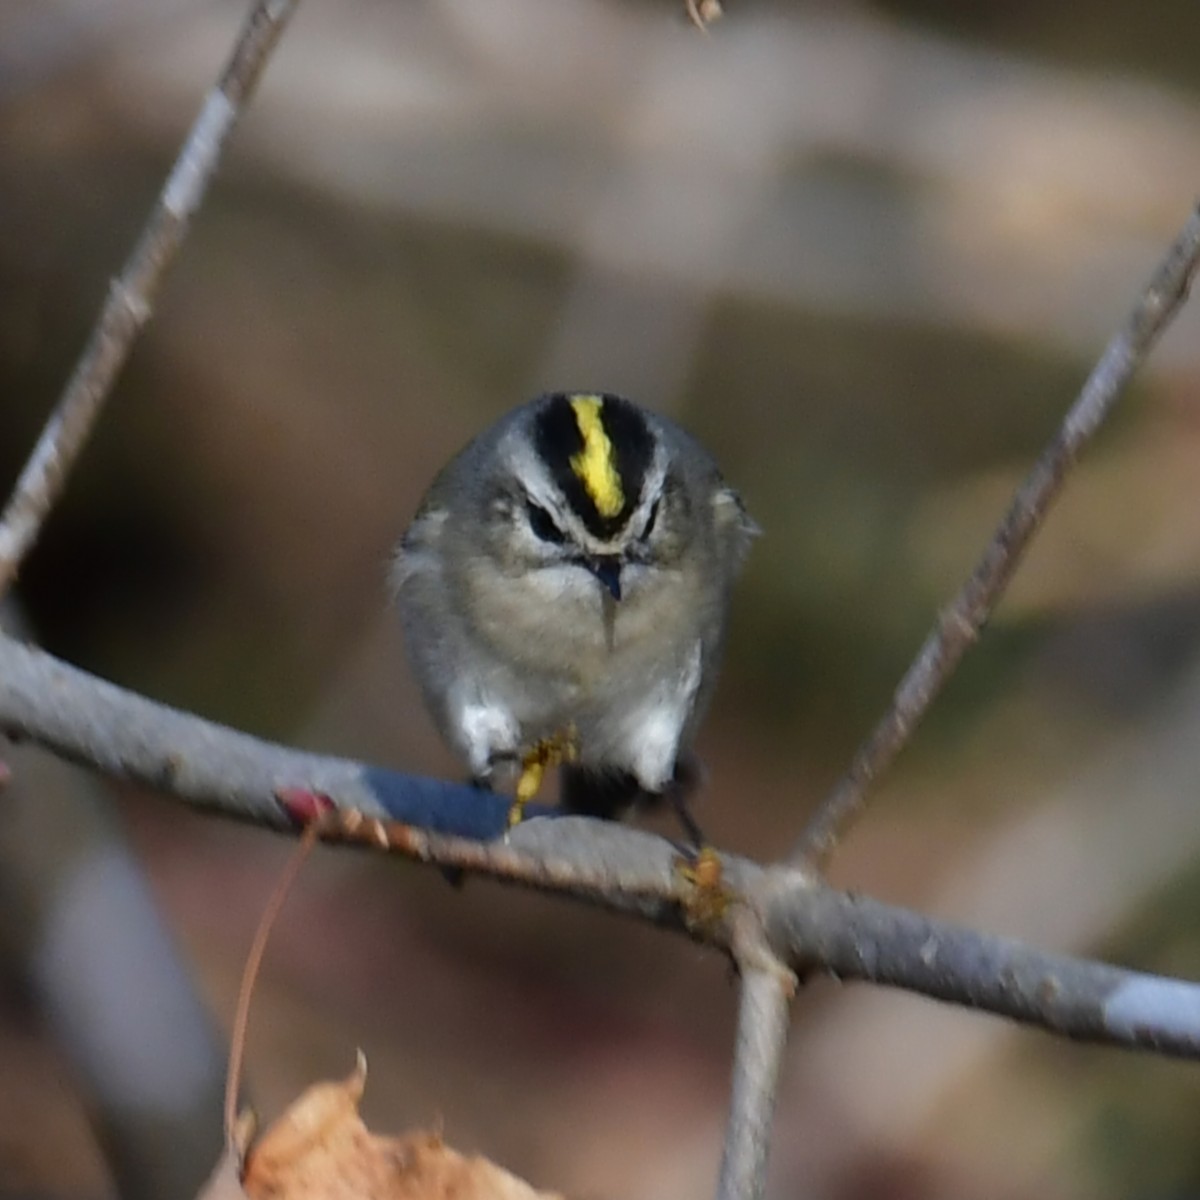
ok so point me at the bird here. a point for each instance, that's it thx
(564, 591)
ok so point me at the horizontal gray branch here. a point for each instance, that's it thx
(812, 927)
(855, 937)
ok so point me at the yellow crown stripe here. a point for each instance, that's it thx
(594, 465)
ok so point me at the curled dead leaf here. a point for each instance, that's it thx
(320, 1148)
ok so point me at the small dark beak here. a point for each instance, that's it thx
(608, 571)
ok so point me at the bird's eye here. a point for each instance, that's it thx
(650, 522)
(542, 524)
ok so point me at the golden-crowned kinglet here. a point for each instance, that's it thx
(564, 589)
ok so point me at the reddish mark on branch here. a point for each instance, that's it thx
(303, 805)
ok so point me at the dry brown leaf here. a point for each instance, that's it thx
(320, 1148)
(702, 13)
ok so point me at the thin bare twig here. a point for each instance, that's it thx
(131, 297)
(810, 927)
(959, 625)
(258, 947)
(767, 990)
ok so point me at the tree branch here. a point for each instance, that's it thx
(767, 990)
(959, 625)
(810, 927)
(125, 736)
(854, 937)
(131, 297)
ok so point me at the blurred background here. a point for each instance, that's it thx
(868, 253)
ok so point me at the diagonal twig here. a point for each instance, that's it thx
(131, 297)
(959, 625)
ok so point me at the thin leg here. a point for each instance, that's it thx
(549, 752)
(678, 792)
(678, 798)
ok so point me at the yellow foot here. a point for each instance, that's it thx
(709, 896)
(549, 752)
